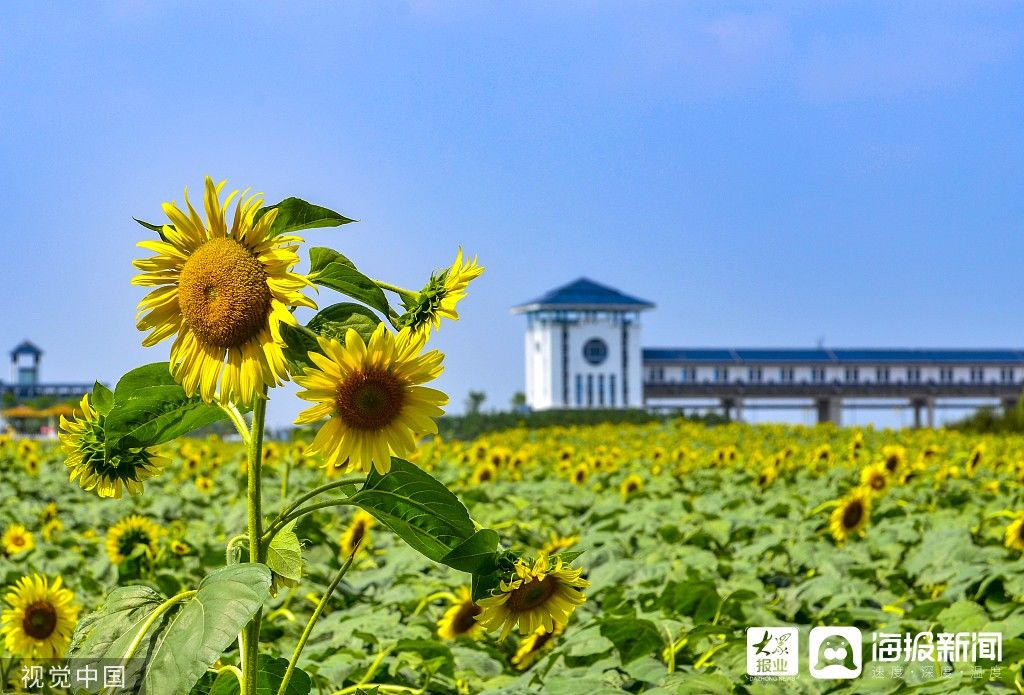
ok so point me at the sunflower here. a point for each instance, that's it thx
(535, 597)
(460, 618)
(204, 484)
(357, 535)
(40, 618)
(16, 540)
(875, 478)
(580, 474)
(851, 516)
(531, 648)
(179, 547)
(484, 472)
(373, 397)
(50, 511)
(895, 458)
(224, 292)
(1015, 534)
(767, 476)
(130, 533)
(556, 544)
(631, 485)
(51, 528)
(85, 456)
(425, 309)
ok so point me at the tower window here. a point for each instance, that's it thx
(611, 390)
(600, 389)
(595, 351)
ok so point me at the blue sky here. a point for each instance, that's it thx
(767, 174)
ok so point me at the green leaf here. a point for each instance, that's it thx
(320, 257)
(475, 555)
(284, 557)
(183, 642)
(150, 408)
(269, 674)
(350, 282)
(102, 398)
(422, 511)
(335, 320)
(299, 341)
(154, 227)
(632, 637)
(294, 214)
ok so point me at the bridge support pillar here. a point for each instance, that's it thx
(927, 405)
(732, 408)
(829, 409)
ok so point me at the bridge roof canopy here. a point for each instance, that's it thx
(826, 356)
(26, 347)
(584, 295)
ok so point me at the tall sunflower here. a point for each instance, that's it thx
(1015, 534)
(82, 440)
(875, 478)
(40, 618)
(534, 597)
(17, 539)
(357, 535)
(851, 516)
(373, 397)
(130, 533)
(460, 618)
(224, 291)
(531, 648)
(440, 296)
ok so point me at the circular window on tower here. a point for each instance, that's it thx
(595, 351)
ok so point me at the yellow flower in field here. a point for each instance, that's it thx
(438, 299)
(875, 478)
(1015, 534)
(556, 544)
(49, 512)
(224, 292)
(580, 474)
(357, 535)
(851, 516)
(895, 458)
(631, 485)
(16, 540)
(975, 459)
(767, 476)
(82, 441)
(204, 484)
(531, 648)
(180, 548)
(130, 533)
(51, 528)
(484, 472)
(460, 618)
(373, 397)
(40, 618)
(32, 465)
(534, 597)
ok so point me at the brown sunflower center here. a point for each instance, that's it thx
(223, 294)
(1020, 533)
(484, 474)
(39, 620)
(853, 513)
(465, 619)
(892, 463)
(17, 540)
(877, 481)
(370, 399)
(532, 594)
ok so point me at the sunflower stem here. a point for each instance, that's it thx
(251, 633)
(309, 509)
(277, 522)
(304, 637)
(237, 420)
(400, 291)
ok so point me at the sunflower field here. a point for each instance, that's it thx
(687, 535)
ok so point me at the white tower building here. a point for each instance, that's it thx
(583, 348)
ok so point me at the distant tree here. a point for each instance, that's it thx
(518, 401)
(474, 402)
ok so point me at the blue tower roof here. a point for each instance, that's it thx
(25, 348)
(584, 295)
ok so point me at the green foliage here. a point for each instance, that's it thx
(150, 408)
(269, 674)
(344, 278)
(183, 642)
(335, 320)
(284, 558)
(294, 214)
(470, 426)
(991, 421)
